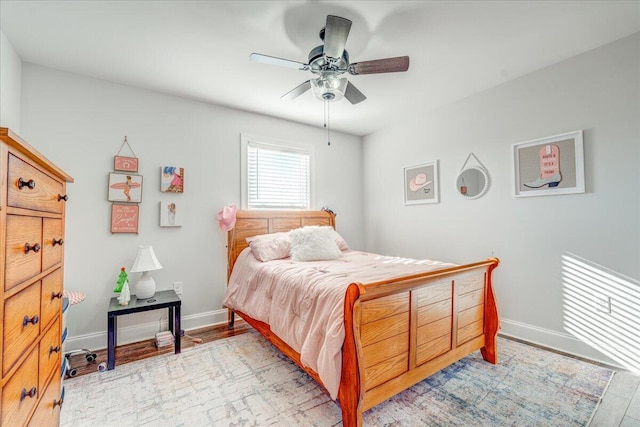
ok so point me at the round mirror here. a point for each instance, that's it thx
(472, 182)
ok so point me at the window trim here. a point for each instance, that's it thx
(245, 139)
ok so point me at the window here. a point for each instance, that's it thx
(275, 174)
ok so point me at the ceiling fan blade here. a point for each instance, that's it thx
(335, 35)
(297, 91)
(353, 95)
(388, 65)
(272, 60)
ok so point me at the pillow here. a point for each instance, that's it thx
(313, 243)
(267, 247)
(342, 244)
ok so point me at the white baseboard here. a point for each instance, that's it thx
(545, 337)
(553, 339)
(126, 335)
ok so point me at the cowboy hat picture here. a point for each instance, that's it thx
(421, 184)
(418, 181)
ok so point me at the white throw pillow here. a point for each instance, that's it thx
(313, 243)
(267, 247)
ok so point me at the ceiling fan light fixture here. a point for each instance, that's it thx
(329, 87)
(329, 61)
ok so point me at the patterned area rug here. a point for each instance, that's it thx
(245, 381)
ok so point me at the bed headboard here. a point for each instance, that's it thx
(252, 223)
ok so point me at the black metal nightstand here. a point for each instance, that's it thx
(162, 299)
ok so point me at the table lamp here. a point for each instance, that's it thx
(145, 262)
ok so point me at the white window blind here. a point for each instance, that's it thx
(278, 177)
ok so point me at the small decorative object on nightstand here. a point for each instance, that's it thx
(125, 295)
(123, 287)
(145, 262)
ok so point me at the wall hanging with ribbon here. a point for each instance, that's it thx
(125, 163)
(125, 189)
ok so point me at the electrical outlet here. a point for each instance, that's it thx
(177, 286)
(603, 304)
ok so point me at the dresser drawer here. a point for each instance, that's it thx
(16, 403)
(50, 351)
(51, 299)
(22, 261)
(48, 412)
(43, 193)
(52, 242)
(23, 306)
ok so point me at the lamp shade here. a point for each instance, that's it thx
(146, 260)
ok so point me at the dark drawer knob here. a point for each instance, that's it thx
(61, 197)
(30, 393)
(35, 248)
(55, 295)
(29, 184)
(53, 349)
(57, 241)
(58, 402)
(33, 320)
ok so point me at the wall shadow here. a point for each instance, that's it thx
(602, 309)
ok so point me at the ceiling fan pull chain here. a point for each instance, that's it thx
(327, 122)
(324, 112)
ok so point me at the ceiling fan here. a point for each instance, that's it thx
(328, 63)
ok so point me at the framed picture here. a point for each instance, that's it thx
(171, 179)
(549, 166)
(421, 184)
(125, 188)
(125, 164)
(170, 214)
(124, 218)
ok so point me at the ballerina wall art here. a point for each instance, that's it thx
(170, 214)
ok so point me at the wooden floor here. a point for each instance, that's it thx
(620, 405)
(141, 350)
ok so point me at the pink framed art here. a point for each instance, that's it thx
(125, 164)
(124, 218)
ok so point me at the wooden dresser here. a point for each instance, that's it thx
(32, 212)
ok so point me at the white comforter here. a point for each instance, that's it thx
(303, 302)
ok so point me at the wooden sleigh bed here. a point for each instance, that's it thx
(397, 332)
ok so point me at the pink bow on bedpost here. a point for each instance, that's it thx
(227, 217)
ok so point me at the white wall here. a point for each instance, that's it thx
(597, 92)
(10, 85)
(80, 123)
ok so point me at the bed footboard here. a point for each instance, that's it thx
(400, 332)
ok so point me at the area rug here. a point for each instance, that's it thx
(245, 381)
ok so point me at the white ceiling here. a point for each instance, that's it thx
(200, 49)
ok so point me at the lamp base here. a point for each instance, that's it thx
(146, 286)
